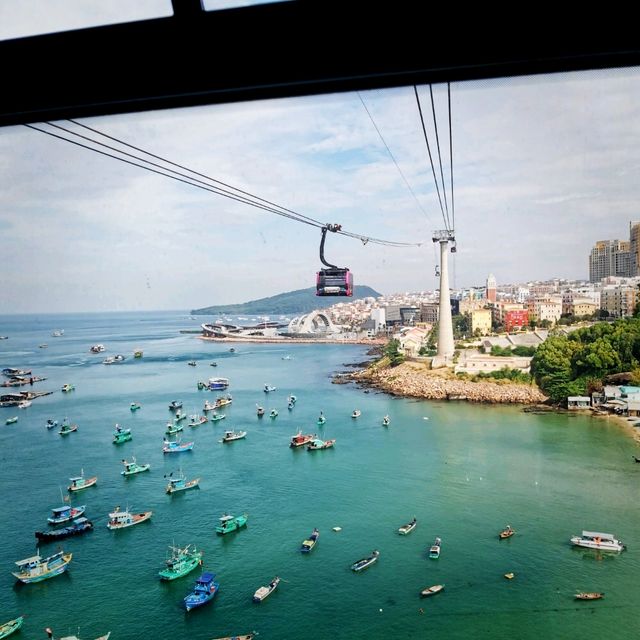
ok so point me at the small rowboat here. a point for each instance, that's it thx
(264, 592)
(67, 429)
(356, 413)
(407, 528)
(431, 591)
(134, 406)
(172, 429)
(365, 562)
(216, 417)
(12, 420)
(308, 544)
(506, 532)
(196, 420)
(589, 596)
(8, 628)
(230, 436)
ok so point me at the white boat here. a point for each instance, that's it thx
(229, 436)
(97, 348)
(123, 519)
(356, 413)
(24, 404)
(430, 591)
(106, 637)
(58, 333)
(114, 359)
(263, 592)
(597, 540)
(407, 528)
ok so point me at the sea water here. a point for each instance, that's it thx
(464, 471)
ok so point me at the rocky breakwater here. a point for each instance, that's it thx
(416, 380)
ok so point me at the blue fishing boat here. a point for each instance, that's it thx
(204, 591)
(180, 483)
(365, 562)
(66, 513)
(176, 447)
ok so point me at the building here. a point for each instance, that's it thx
(378, 316)
(412, 341)
(515, 319)
(609, 258)
(619, 300)
(545, 309)
(634, 249)
(491, 288)
(430, 312)
(481, 321)
(581, 307)
(410, 315)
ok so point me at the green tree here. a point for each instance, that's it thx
(392, 351)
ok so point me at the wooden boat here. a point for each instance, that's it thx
(67, 428)
(430, 591)
(203, 591)
(8, 628)
(172, 428)
(97, 348)
(208, 406)
(138, 353)
(264, 592)
(11, 420)
(247, 636)
(259, 411)
(510, 575)
(65, 514)
(121, 435)
(507, 532)
(434, 551)
(36, 568)
(213, 364)
(192, 363)
(131, 468)
(175, 404)
(79, 526)
(176, 447)
(385, 421)
(356, 413)
(589, 596)
(318, 444)
(300, 439)
(123, 519)
(216, 417)
(67, 387)
(405, 529)
(180, 483)
(311, 541)
(80, 482)
(274, 413)
(134, 406)
(598, 541)
(196, 420)
(231, 523)
(230, 436)
(181, 562)
(363, 563)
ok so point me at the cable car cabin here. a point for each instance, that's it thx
(334, 282)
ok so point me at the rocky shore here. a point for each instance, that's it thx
(415, 380)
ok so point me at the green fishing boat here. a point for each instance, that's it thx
(173, 428)
(121, 435)
(131, 468)
(8, 628)
(134, 406)
(231, 523)
(179, 417)
(181, 562)
(216, 417)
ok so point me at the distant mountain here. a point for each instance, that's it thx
(290, 303)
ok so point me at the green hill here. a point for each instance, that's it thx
(290, 303)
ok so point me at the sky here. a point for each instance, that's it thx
(543, 168)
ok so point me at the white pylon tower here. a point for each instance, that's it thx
(445, 325)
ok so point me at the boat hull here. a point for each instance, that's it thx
(191, 484)
(431, 591)
(602, 546)
(136, 518)
(51, 573)
(232, 525)
(189, 566)
(10, 627)
(89, 482)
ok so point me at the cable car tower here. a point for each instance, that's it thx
(445, 324)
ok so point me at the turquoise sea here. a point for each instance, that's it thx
(464, 473)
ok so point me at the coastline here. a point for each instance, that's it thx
(289, 341)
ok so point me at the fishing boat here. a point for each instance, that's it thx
(172, 428)
(179, 417)
(25, 404)
(66, 513)
(290, 406)
(51, 423)
(230, 436)
(431, 591)
(584, 596)
(180, 483)
(196, 420)
(356, 413)
(11, 420)
(176, 447)
(363, 563)
(300, 439)
(246, 636)
(264, 592)
(287, 357)
(292, 399)
(273, 413)
(317, 444)
(599, 541)
(67, 428)
(216, 384)
(175, 404)
(97, 348)
(230, 523)
(117, 359)
(10, 372)
(434, 550)
(134, 406)
(37, 568)
(121, 435)
(216, 417)
(67, 387)
(8, 628)
(123, 519)
(80, 482)
(181, 562)
(44, 345)
(405, 529)
(386, 421)
(310, 542)
(201, 385)
(223, 401)
(78, 527)
(131, 468)
(50, 636)
(213, 364)
(208, 406)
(268, 388)
(203, 591)
(321, 420)
(138, 353)
(58, 333)
(192, 363)
(259, 411)
(507, 532)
